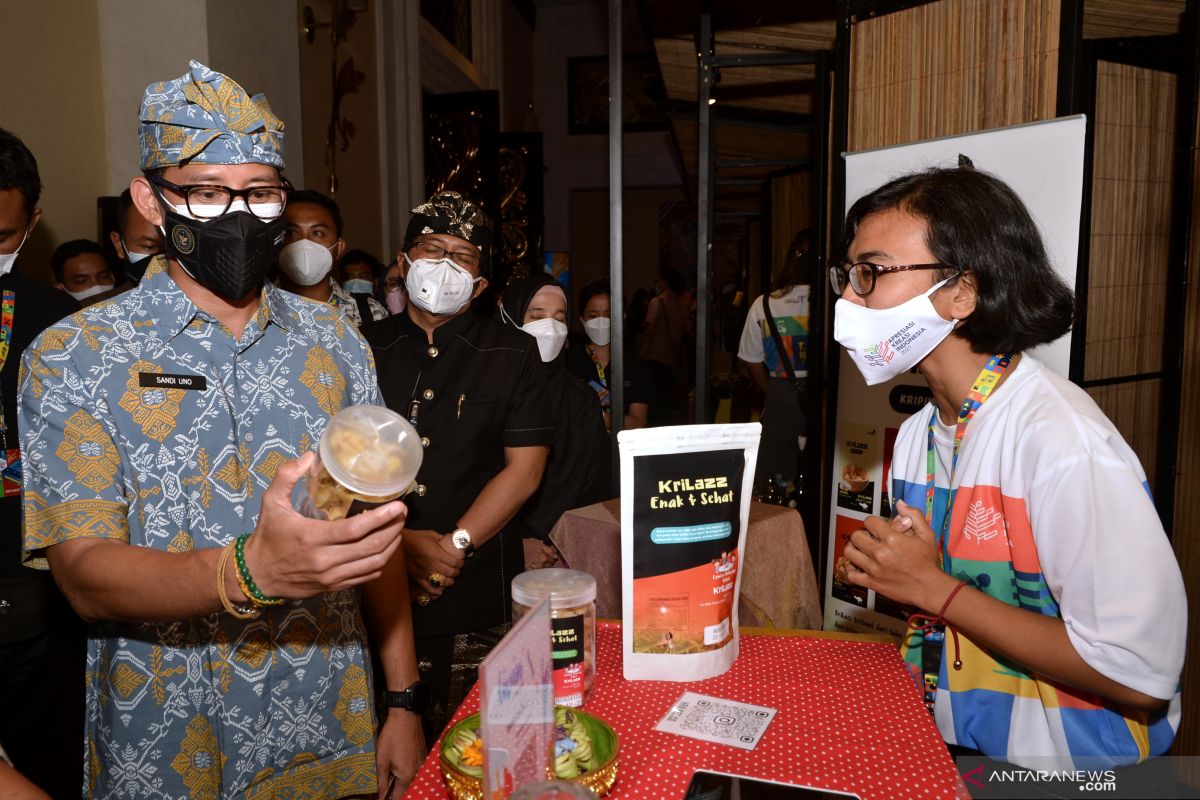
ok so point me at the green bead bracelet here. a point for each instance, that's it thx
(247, 583)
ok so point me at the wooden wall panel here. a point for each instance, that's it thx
(1187, 500)
(1130, 246)
(950, 67)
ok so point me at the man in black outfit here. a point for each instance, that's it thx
(475, 391)
(41, 640)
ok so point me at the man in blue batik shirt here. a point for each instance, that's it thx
(160, 427)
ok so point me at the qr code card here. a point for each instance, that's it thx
(713, 719)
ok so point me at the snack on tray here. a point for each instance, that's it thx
(585, 752)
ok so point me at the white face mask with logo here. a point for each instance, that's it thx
(884, 342)
(598, 330)
(440, 287)
(8, 259)
(551, 335)
(305, 262)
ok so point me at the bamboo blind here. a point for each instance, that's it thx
(791, 212)
(1131, 219)
(1186, 536)
(951, 67)
(1130, 246)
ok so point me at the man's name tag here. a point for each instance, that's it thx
(162, 380)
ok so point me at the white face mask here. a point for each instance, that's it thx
(551, 335)
(884, 342)
(440, 287)
(598, 329)
(132, 256)
(91, 291)
(305, 262)
(8, 259)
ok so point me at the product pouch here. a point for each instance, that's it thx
(685, 506)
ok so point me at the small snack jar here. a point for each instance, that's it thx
(572, 626)
(368, 456)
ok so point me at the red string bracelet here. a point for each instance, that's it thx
(926, 624)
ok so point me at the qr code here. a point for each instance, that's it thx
(716, 720)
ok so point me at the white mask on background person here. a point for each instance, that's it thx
(598, 329)
(359, 286)
(551, 335)
(305, 262)
(132, 256)
(885, 342)
(440, 287)
(8, 259)
(91, 291)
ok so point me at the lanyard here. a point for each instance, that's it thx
(989, 376)
(7, 306)
(599, 368)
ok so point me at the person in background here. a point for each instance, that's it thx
(360, 273)
(81, 269)
(165, 431)
(395, 294)
(1052, 621)
(312, 242)
(578, 469)
(476, 392)
(781, 374)
(588, 358)
(135, 240)
(664, 347)
(41, 639)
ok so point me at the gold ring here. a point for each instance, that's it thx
(423, 599)
(437, 580)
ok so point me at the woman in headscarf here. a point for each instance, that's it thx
(577, 472)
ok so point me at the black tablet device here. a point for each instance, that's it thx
(719, 786)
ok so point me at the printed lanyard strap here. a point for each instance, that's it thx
(989, 376)
(7, 306)
(599, 368)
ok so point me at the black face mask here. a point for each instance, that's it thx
(229, 254)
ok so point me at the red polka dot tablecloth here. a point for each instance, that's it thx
(849, 718)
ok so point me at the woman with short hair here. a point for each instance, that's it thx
(1052, 620)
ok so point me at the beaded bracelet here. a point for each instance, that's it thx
(240, 612)
(249, 587)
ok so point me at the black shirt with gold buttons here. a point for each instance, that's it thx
(477, 389)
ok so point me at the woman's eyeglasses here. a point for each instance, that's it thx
(860, 276)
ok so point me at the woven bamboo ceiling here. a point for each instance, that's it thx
(764, 114)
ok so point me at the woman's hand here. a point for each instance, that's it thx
(898, 559)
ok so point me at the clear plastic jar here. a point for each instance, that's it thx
(572, 626)
(368, 456)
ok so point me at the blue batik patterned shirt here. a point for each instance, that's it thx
(278, 706)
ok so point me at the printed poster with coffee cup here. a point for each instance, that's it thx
(1043, 163)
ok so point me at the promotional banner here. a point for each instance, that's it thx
(1043, 163)
(685, 506)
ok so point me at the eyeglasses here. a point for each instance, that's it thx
(433, 252)
(861, 276)
(208, 201)
(392, 284)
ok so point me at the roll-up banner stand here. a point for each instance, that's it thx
(1043, 163)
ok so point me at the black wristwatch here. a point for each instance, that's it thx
(415, 698)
